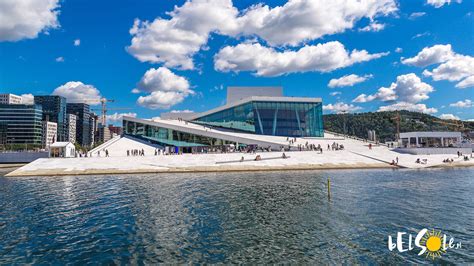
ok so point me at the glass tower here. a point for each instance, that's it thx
(21, 124)
(54, 110)
(83, 126)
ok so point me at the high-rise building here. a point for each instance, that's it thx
(83, 127)
(50, 131)
(104, 134)
(71, 128)
(54, 110)
(21, 124)
(8, 98)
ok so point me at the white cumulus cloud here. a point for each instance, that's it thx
(174, 41)
(422, 108)
(408, 88)
(430, 55)
(266, 61)
(25, 19)
(455, 69)
(165, 88)
(59, 59)
(341, 107)
(373, 26)
(117, 117)
(452, 66)
(449, 117)
(462, 104)
(440, 3)
(78, 92)
(27, 98)
(466, 83)
(77, 42)
(348, 80)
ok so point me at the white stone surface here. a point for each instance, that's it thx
(356, 154)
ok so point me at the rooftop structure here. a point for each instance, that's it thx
(8, 98)
(177, 115)
(239, 93)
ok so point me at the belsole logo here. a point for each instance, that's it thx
(432, 244)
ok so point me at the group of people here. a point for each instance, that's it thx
(447, 160)
(136, 152)
(424, 161)
(394, 162)
(335, 147)
(89, 154)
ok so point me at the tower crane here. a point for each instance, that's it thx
(457, 125)
(397, 119)
(103, 109)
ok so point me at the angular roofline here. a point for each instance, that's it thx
(259, 99)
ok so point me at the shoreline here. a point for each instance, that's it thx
(217, 169)
(198, 169)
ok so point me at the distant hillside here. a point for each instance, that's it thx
(384, 125)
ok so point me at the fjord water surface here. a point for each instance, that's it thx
(245, 217)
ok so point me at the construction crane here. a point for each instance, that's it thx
(457, 125)
(396, 118)
(104, 112)
(104, 109)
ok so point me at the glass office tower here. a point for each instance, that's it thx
(54, 110)
(277, 118)
(83, 126)
(20, 124)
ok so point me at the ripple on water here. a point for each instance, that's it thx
(262, 217)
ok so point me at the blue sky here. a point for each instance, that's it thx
(290, 48)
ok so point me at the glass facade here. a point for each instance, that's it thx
(170, 137)
(21, 124)
(292, 119)
(54, 110)
(83, 126)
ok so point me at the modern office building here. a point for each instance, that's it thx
(50, 131)
(83, 126)
(54, 110)
(21, 124)
(250, 110)
(71, 128)
(8, 98)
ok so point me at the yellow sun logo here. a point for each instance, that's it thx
(432, 242)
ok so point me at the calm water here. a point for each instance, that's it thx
(233, 217)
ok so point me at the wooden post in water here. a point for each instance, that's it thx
(329, 189)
